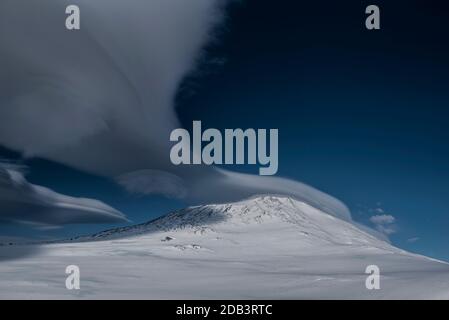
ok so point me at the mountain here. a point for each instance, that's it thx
(272, 212)
(265, 247)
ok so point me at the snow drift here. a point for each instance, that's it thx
(262, 248)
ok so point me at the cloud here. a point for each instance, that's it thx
(40, 207)
(384, 223)
(379, 210)
(383, 219)
(413, 240)
(387, 230)
(101, 99)
(224, 186)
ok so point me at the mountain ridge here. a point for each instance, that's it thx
(257, 210)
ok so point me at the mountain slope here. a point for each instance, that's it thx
(265, 247)
(262, 211)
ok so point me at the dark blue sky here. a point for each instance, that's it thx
(362, 115)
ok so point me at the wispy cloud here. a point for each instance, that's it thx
(383, 219)
(413, 240)
(40, 207)
(384, 223)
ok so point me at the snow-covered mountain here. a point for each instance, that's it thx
(264, 247)
(272, 212)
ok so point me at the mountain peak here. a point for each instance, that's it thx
(254, 210)
(259, 214)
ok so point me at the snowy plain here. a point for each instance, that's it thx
(262, 248)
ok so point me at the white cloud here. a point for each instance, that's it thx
(413, 240)
(101, 99)
(387, 230)
(383, 219)
(40, 207)
(384, 223)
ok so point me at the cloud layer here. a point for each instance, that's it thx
(23, 202)
(102, 99)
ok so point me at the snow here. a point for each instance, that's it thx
(262, 248)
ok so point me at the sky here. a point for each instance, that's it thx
(362, 115)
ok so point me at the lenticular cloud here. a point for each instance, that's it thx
(24, 202)
(100, 99)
